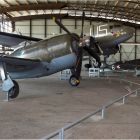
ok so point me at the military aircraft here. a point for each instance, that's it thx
(48, 56)
(108, 44)
(127, 65)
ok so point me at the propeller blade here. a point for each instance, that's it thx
(61, 25)
(80, 51)
(79, 62)
(83, 19)
(76, 37)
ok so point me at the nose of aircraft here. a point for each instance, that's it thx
(129, 30)
(123, 30)
(122, 33)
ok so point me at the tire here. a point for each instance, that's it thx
(14, 91)
(74, 81)
(96, 64)
(88, 66)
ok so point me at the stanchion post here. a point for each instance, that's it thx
(123, 100)
(7, 97)
(61, 134)
(120, 81)
(136, 93)
(130, 84)
(103, 112)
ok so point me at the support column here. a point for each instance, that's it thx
(135, 42)
(90, 22)
(13, 26)
(30, 27)
(75, 25)
(45, 28)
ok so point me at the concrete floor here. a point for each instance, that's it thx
(47, 104)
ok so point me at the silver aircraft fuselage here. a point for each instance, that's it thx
(55, 54)
(46, 50)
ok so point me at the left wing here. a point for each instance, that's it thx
(21, 68)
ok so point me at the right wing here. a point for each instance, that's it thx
(9, 39)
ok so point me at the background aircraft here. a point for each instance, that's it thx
(108, 44)
(48, 56)
(127, 65)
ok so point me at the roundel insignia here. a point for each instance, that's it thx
(117, 34)
(118, 67)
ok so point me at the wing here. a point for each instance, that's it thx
(9, 39)
(21, 68)
(18, 64)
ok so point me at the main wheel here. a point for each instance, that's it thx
(74, 81)
(14, 91)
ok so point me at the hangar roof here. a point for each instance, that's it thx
(126, 11)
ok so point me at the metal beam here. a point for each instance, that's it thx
(40, 16)
(9, 5)
(65, 16)
(25, 7)
(99, 6)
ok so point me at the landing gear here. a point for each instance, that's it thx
(9, 86)
(96, 64)
(14, 91)
(74, 81)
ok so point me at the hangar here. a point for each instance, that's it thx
(93, 44)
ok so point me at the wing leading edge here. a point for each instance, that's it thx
(9, 39)
(19, 68)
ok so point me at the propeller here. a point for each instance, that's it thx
(80, 50)
(82, 40)
(74, 79)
